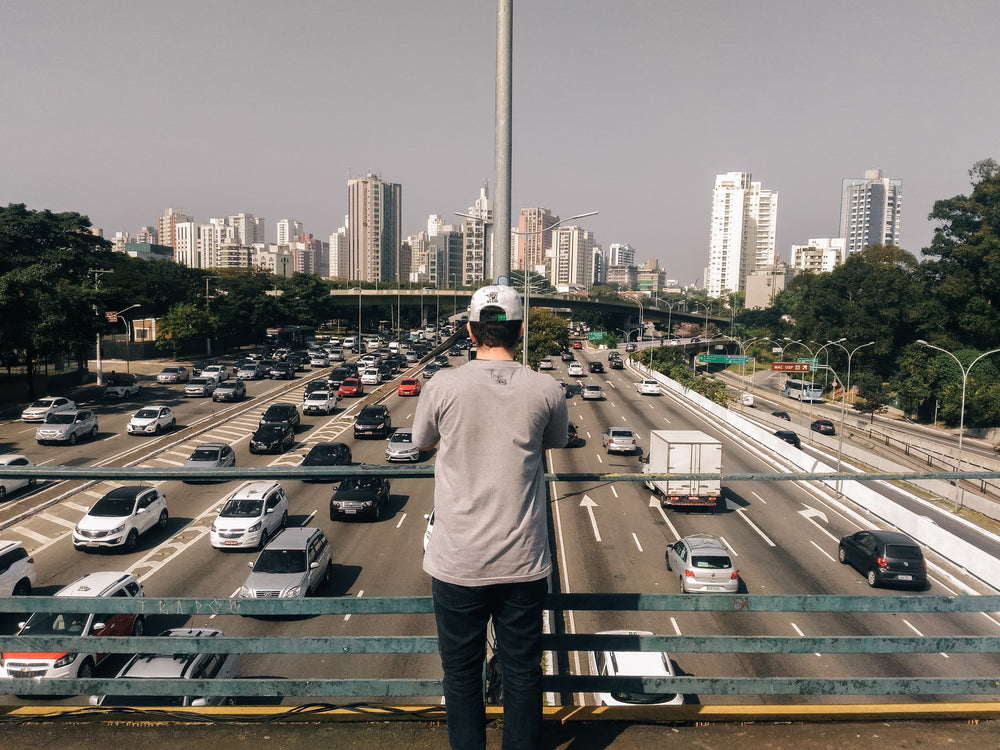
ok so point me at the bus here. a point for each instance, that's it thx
(802, 390)
(288, 336)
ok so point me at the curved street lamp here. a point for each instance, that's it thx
(843, 401)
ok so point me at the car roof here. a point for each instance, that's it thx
(94, 584)
(168, 665)
(892, 537)
(705, 543)
(294, 537)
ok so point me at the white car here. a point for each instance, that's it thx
(546, 364)
(151, 421)
(400, 446)
(123, 386)
(650, 387)
(67, 427)
(576, 369)
(592, 391)
(10, 485)
(319, 359)
(371, 376)
(320, 402)
(219, 372)
(336, 355)
(634, 663)
(173, 374)
(17, 569)
(251, 516)
(41, 408)
(120, 517)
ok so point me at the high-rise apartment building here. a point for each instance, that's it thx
(167, 223)
(870, 210)
(249, 230)
(621, 254)
(339, 255)
(475, 256)
(289, 231)
(741, 237)
(572, 257)
(373, 230)
(819, 254)
(534, 236)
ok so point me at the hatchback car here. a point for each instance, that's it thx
(251, 516)
(634, 664)
(546, 364)
(281, 412)
(596, 366)
(295, 564)
(78, 663)
(210, 456)
(575, 369)
(360, 496)
(351, 387)
(619, 440)
(17, 569)
(152, 420)
(823, 427)
(201, 387)
(884, 557)
(319, 359)
(320, 402)
(373, 421)
(781, 415)
(272, 438)
(173, 374)
(180, 666)
(592, 392)
(616, 364)
(8, 485)
(702, 564)
(119, 518)
(430, 369)
(400, 446)
(648, 387)
(67, 427)
(122, 387)
(41, 408)
(230, 390)
(789, 436)
(578, 345)
(336, 377)
(408, 387)
(327, 454)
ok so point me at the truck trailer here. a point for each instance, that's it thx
(684, 452)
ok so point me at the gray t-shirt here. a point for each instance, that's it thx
(492, 421)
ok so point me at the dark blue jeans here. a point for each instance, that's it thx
(462, 614)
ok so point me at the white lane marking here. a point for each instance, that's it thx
(914, 629)
(655, 503)
(589, 504)
(636, 540)
(599, 459)
(742, 514)
(25, 531)
(677, 628)
(828, 555)
(348, 615)
(57, 520)
(74, 506)
(614, 491)
(401, 519)
(758, 497)
(811, 514)
(729, 546)
(801, 635)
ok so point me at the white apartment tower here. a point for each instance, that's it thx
(819, 255)
(621, 254)
(572, 257)
(870, 211)
(741, 237)
(475, 255)
(289, 231)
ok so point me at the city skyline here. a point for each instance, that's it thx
(111, 115)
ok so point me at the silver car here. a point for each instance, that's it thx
(41, 408)
(67, 427)
(210, 456)
(702, 564)
(203, 387)
(296, 563)
(592, 391)
(173, 374)
(400, 446)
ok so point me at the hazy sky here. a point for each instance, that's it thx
(119, 109)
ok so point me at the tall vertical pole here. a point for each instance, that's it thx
(502, 143)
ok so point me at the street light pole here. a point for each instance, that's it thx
(843, 402)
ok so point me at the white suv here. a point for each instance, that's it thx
(120, 517)
(250, 517)
(75, 664)
(17, 569)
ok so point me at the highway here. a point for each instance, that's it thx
(609, 537)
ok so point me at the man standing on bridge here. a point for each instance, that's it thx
(491, 421)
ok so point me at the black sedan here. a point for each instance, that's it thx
(373, 421)
(282, 371)
(360, 496)
(823, 427)
(275, 437)
(327, 454)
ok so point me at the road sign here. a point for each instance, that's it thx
(595, 335)
(722, 359)
(790, 366)
(812, 362)
(111, 317)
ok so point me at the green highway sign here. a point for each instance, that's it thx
(722, 359)
(811, 361)
(594, 335)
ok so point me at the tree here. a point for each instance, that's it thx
(547, 334)
(874, 394)
(182, 323)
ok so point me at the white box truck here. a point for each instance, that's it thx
(684, 452)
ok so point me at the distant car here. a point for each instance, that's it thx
(441, 361)
(319, 384)
(578, 345)
(15, 460)
(546, 364)
(281, 412)
(67, 427)
(572, 437)
(648, 387)
(320, 402)
(17, 569)
(152, 420)
(360, 496)
(596, 366)
(173, 374)
(282, 371)
(616, 363)
(327, 454)
(251, 371)
(592, 392)
(630, 347)
(335, 355)
(619, 440)
(210, 456)
(781, 415)
(252, 515)
(230, 390)
(219, 372)
(400, 446)
(567, 356)
(41, 408)
(335, 377)
(201, 387)
(272, 438)
(124, 386)
(318, 359)
(370, 376)
(351, 387)
(823, 427)
(789, 436)
(884, 557)
(575, 369)
(295, 564)
(373, 421)
(703, 565)
(408, 387)
(747, 399)
(636, 663)
(204, 666)
(119, 518)
(430, 369)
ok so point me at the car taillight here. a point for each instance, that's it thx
(735, 575)
(689, 573)
(882, 562)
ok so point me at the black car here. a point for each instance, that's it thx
(281, 413)
(616, 363)
(573, 439)
(272, 438)
(567, 356)
(455, 351)
(281, 371)
(597, 366)
(790, 437)
(360, 496)
(372, 421)
(823, 426)
(884, 557)
(352, 368)
(336, 377)
(327, 454)
(320, 384)
(781, 415)
(630, 347)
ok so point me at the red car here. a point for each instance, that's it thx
(351, 387)
(578, 345)
(409, 387)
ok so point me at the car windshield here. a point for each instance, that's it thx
(711, 562)
(111, 506)
(42, 403)
(319, 395)
(323, 451)
(281, 561)
(370, 412)
(199, 381)
(63, 418)
(275, 413)
(170, 370)
(269, 430)
(55, 623)
(146, 414)
(401, 437)
(242, 508)
(360, 483)
(205, 454)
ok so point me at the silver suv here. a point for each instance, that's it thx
(702, 564)
(67, 427)
(296, 563)
(17, 569)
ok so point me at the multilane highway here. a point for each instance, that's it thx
(610, 538)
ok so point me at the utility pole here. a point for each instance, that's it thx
(97, 283)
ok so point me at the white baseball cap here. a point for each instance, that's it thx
(503, 297)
